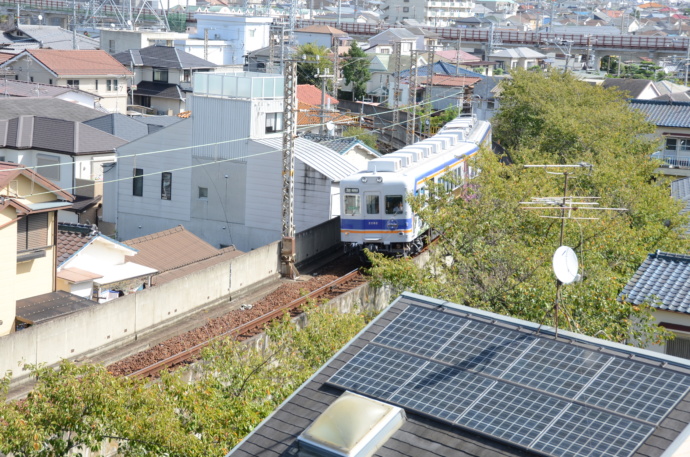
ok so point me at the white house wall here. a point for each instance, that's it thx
(319, 39)
(149, 211)
(98, 253)
(264, 189)
(242, 34)
(27, 158)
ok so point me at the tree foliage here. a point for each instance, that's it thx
(356, 71)
(361, 134)
(495, 255)
(80, 408)
(314, 60)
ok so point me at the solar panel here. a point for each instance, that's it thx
(532, 391)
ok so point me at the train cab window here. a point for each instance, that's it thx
(372, 204)
(352, 204)
(394, 204)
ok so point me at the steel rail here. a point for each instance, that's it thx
(254, 324)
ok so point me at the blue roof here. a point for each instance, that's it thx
(443, 68)
(664, 113)
(663, 279)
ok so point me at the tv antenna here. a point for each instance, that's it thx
(565, 263)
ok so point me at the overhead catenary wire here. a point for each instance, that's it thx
(135, 155)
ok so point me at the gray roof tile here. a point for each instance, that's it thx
(664, 113)
(162, 57)
(48, 107)
(664, 280)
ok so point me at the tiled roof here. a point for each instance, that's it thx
(177, 250)
(48, 306)
(327, 29)
(56, 135)
(519, 53)
(664, 280)
(162, 57)
(76, 275)
(10, 171)
(311, 95)
(634, 87)
(12, 88)
(71, 238)
(79, 63)
(453, 81)
(4, 56)
(312, 115)
(453, 55)
(54, 37)
(48, 107)
(664, 113)
(160, 90)
(443, 68)
(339, 145)
(422, 436)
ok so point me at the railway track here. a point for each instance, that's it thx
(241, 324)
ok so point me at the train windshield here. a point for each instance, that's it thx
(372, 203)
(352, 204)
(394, 204)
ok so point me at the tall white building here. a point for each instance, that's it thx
(429, 12)
(219, 173)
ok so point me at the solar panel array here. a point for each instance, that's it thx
(541, 394)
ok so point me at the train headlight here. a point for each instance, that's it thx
(364, 179)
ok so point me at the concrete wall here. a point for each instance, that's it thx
(318, 239)
(122, 320)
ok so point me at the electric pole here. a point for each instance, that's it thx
(412, 97)
(288, 248)
(429, 85)
(397, 51)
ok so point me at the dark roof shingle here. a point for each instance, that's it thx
(664, 113)
(664, 280)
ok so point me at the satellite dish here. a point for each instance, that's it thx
(565, 265)
(330, 126)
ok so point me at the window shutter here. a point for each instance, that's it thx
(37, 236)
(21, 234)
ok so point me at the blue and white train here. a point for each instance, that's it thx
(374, 213)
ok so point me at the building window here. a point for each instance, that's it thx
(671, 144)
(48, 166)
(203, 193)
(111, 46)
(166, 186)
(73, 83)
(406, 9)
(31, 78)
(146, 101)
(50, 81)
(274, 122)
(97, 84)
(32, 232)
(160, 75)
(138, 182)
(111, 85)
(187, 76)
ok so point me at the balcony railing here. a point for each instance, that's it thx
(672, 159)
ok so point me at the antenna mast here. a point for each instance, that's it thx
(565, 205)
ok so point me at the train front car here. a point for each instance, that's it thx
(375, 214)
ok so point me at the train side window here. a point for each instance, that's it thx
(352, 205)
(372, 204)
(394, 204)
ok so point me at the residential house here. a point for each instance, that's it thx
(432, 378)
(429, 12)
(487, 94)
(224, 39)
(385, 42)
(505, 8)
(94, 266)
(317, 112)
(465, 60)
(672, 120)
(176, 253)
(222, 180)
(115, 41)
(638, 89)
(662, 281)
(382, 68)
(92, 71)
(322, 35)
(11, 88)
(68, 153)
(426, 39)
(28, 218)
(162, 77)
(509, 59)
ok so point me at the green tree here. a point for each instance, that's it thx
(313, 61)
(361, 134)
(78, 408)
(356, 71)
(493, 254)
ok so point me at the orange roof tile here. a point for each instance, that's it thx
(5, 56)
(311, 115)
(455, 81)
(79, 62)
(327, 29)
(76, 275)
(311, 95)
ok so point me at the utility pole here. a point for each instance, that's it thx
(429, 85)
(205, 44)
(553, 15)
(287, 247)
(412, 97)
(322, 128)
(397, 51)
(74, 24)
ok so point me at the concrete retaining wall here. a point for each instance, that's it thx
(121, 320)
(317, 240)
